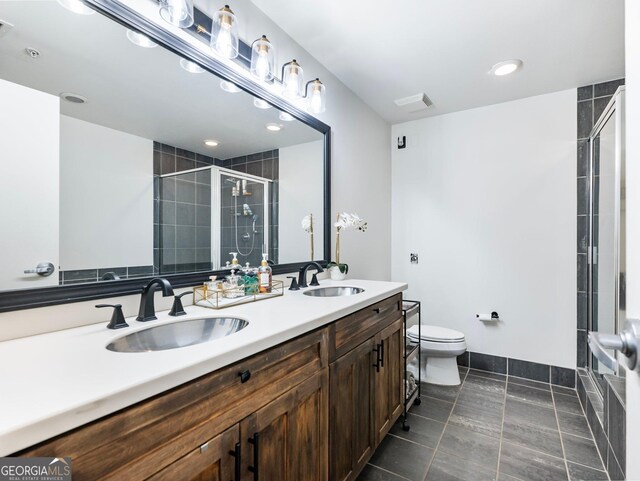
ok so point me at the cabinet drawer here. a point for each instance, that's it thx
(348, 332)
(145, 434)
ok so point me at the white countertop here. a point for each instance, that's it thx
(51, 383)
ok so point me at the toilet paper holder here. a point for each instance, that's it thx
(493, 317)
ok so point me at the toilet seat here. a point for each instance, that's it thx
(435, 334)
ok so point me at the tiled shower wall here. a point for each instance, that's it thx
(592, 100)
(182, 210)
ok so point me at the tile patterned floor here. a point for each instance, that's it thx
(490, 428)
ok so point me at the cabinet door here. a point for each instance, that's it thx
(287, 439)
(216, 460)
(351, 435)
(388, 381)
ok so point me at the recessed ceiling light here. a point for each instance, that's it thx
(73, 98)
(274, 127)
(286, 117)
(505, 68)
(211, 143)
(261, 104)
(190, 66)
(229, 86)
(76, 6)
(140, 40)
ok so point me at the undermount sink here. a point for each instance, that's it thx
(178, 334)
(334, 291)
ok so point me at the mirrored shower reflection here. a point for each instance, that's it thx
(244, 214)
(184, 236)
(205, 214)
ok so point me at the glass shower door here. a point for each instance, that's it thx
(606, 276)
(244, 217)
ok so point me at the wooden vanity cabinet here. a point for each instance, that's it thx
(215, 460)
(388, 381)
(365, 384)
(141, 441)
(288, 437)
(351, 430)
(311, 409)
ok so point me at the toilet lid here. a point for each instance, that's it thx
(435, 333)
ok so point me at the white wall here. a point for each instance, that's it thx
(300, 194)
(632, 46)
(487, 198)
(106, 197)
(29, 126)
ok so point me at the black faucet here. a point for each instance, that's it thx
(147, 311)
(302, 278)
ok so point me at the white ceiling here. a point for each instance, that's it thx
(445, 48)
(141, 91)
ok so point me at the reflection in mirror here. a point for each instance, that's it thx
(122, 160)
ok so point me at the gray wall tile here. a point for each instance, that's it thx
(529, 370)
(563, 376)
(488, 362)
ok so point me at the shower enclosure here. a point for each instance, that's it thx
(205, 214)
(606, 254)
(242, 223)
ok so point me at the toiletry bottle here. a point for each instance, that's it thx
(234, 262)
(209, 286)
(264, 276)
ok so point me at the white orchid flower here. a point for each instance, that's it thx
(346, 220)
(307, 224)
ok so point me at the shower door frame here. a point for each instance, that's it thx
(216, 219)
(615, 107)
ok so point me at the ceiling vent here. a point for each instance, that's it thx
(5, 27)
(414, 103)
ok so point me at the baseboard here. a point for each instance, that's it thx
(560, 376)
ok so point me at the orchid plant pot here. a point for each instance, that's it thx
(338, 272)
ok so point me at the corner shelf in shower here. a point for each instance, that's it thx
(219, 299)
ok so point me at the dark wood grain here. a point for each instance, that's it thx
(350, 331)
(351, 436)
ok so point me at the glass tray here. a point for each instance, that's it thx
(215, 299)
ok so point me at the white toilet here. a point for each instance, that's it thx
(439, 348)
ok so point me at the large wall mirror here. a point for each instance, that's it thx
(123, 161)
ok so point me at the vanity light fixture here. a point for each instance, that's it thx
(274, 127)
(286, 117)
(224, 33)
(211, 143)
(506, 67)
(316, 98)
(225, 42)
(261, 104)
(190, 66)
(292, 80)
(177, 12)
(229, 87)
(76, 6)
(263, 59)
(140, 40)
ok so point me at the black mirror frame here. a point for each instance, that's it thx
(18, 299)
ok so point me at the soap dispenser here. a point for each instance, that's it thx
(264, 276)
(234, 262)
